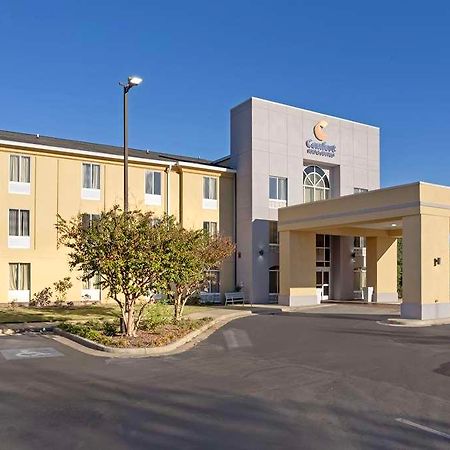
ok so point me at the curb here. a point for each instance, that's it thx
(205, 330)
(415, 323)
(9, 331)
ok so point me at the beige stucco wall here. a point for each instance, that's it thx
(297, 268)
(56, 182)
(425, 238)
(382, 268)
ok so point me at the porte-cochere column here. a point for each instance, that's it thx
(426, 267)
(297, 268)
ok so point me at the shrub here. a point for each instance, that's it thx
(61, 289)
(156, 314)
(13, 304)
(92, 330)
(110, 328)
(41, 298)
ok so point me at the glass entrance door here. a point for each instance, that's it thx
(323, 263)
(323, 282)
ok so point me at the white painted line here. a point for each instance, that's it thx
(423, 428)
(235, 338)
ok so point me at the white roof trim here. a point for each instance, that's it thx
(170, 163)
(205, 166)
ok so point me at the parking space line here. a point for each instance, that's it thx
(423, 428)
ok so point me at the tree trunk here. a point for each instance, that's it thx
(177, 307)
(128, 319)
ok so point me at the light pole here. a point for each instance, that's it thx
(132, 82)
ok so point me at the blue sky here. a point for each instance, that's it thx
(386, 63)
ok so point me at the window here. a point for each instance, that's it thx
(91, 289)
(209, 193)
(359, 241)
(323, 250)
(91, 182)
(87, 220)
(19, 228)
(213, 282)
(210, 228)
(19, 174)
(274, 280)
(92, 283)
(19, 222)
(316, 185)
(19, 282)
(19, 168)
(210, 188)
(359, 190)
(273, 233)
(91, 176)
(153, 182)
(152, 187)
(278, 188)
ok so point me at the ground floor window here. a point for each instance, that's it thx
(210, 228)
(213, 282)
(19, 277)
(19, 282)
(274, 280)
(91, 290)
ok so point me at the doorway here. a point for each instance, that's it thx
(323, 282)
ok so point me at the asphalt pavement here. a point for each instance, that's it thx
(332, 378)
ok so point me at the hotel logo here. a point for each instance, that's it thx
(320, 148)
(319, 130)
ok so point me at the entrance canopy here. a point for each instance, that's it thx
(418, 212)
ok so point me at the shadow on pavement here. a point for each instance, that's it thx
(119, 413)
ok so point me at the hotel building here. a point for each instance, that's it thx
(280, 156)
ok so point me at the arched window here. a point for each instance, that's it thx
(316, 185)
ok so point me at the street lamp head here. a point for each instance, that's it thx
(134, 81)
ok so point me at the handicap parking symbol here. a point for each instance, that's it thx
(30, 353)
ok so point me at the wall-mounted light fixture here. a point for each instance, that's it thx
(261, 252)
(437, 261)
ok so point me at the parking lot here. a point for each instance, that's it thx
(333, 377)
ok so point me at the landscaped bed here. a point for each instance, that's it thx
(19, 314)
(150, 334)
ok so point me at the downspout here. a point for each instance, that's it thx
(181, 195)
(168, 170)
(235, 229)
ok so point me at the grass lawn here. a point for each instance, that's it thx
(76, 313)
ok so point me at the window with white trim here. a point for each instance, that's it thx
(19, 174)
(88, 220)
(19, 228)
(19, 282)
(91, 289)
(91, 181)
(210, 228)
(278, 188)
(91, 176)
(152, 187)
(210, 188)
(212, 285)
(316, 185)
(92, 283)
(19, 222)
(209, 193)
